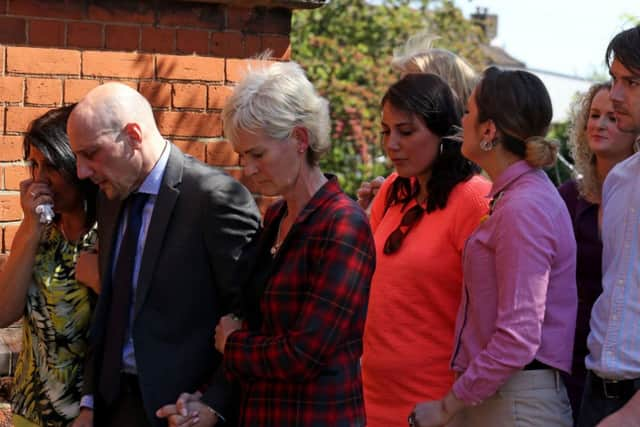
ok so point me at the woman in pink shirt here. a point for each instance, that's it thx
(516, 322)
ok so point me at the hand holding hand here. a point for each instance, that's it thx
(428, 414)
(437, 412)
(368, 191)
(226, 326)
(188, 411)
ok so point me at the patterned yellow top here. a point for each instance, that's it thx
(48, 379)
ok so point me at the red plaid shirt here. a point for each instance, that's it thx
(302, 368)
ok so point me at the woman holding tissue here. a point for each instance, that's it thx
(51, 277)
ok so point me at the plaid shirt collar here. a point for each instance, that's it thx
(324, 194)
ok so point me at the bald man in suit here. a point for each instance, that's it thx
(171, 230)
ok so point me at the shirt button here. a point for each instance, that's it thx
(621, 282)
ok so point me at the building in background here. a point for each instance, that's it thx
(562, 87)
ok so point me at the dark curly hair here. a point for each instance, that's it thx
(48, 134)
(431, 99)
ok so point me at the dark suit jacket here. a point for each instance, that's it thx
(201, 221)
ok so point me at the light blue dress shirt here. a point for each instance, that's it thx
(151, 186)
(614, 341)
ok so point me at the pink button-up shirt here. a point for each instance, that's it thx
(519, 299)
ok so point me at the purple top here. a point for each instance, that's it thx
(519, 301)
(589, 280)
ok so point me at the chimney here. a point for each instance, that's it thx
(488, 22)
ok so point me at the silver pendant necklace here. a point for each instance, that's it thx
(276, 246)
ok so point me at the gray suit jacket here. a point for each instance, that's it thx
(200, 224)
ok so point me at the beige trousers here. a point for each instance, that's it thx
(534, 398)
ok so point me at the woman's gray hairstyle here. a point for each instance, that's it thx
(275, 98)
(589, 185)
(418, 56)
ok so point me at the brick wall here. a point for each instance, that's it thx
(183, 56)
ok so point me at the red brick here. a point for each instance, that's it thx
(2, 50)
(192, 148)
(13, 30)
(260, 20)
(46, 33)
(85, 35)
(42, 61)
(117, 64)
(161, 40)
(206, 16)
(228, 44)
(138, 12)
(252, 45)
(218, 96)
(10, 209)
(2, 112)
(238, 18)
(19, 118)
(237, 68)
(11, 89)
(192, 41)
(186, 123)
(9, 234)
(158, 94)
(122, 37)
(277, 21)
(75, 90)
(189, 68)
(273, 21)
(189, 95)
(280, 45)
(221, 153)
(52, 9)
(14, 174)
(43, 92)
(11, 148)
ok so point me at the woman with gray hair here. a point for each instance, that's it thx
(296, 355)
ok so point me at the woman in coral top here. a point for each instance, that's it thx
(421, 218)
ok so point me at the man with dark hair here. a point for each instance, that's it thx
(611, 396)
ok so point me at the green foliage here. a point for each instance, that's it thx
(630, 19)
(346, 48)
(561, 172)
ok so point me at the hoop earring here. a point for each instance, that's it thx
(441, 148)
(486, 145)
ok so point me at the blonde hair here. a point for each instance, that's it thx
(589, 185)
(274, 99)
(418, 56)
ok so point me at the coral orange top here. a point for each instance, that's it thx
(413, 303)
